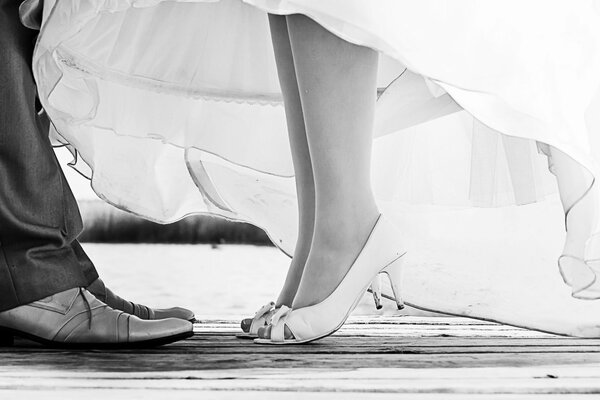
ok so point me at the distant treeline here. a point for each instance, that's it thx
(106, 224)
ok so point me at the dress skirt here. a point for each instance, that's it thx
(173, 108)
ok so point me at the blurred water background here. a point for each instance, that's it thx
(213, 280)
(104, 223)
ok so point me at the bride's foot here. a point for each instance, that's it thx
(327, 264)
(324, 270)
(324, 280)
(325, 307)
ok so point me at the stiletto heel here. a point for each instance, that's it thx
(381, 251)
(250, 326)
(394, 273)
(376, 290)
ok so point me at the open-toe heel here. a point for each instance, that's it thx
(250, 326)
(376, 291)
(380, 253)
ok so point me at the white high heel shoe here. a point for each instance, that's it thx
(381, 253)
(264, 314)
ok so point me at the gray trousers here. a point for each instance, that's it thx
(39, 217)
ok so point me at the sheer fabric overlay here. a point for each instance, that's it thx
(173, 107)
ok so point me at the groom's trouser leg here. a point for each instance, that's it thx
(39, 218)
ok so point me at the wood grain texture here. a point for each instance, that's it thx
(386, 357)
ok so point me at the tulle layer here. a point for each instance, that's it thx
(122, 51)
(174, 107)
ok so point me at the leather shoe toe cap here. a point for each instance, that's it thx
(144, 330)
(175, 312)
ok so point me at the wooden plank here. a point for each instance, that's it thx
(201, 361)
(404, 326)
(117, 394)
(381, 380)
(376, 358)
(326, 354)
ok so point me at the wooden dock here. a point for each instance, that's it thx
(381, 357)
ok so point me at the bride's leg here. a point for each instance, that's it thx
(305, 186)
(337, 82)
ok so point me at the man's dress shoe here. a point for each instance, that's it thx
(76, 319)
(104, 294)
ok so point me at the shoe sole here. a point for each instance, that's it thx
(7, 336)
(291, 342)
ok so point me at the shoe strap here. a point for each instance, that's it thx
(261, 317)
(278, 324)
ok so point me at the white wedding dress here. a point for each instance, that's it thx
(174, 108)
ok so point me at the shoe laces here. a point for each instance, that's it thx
(88, 307)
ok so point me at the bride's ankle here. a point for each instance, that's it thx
(288, 293)
(343, 234)
(285, 299)
(293, 277)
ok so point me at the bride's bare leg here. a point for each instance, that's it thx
(305, 185)
(337, 82)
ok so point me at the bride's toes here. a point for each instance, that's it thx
(265, 333)
(246, 324)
